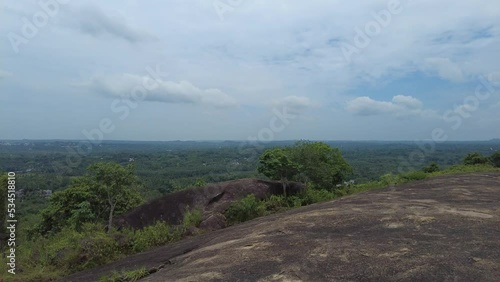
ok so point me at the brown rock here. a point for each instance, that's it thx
(212, 198)
(214, 221)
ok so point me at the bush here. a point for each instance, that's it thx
(154, 235)
(74, 251)
(280, 203)
(276, 203)
(65, 252)
(311, 196)
(390, 179)
(474, 159)
(433, 167)
(192, 218)
(246, 209)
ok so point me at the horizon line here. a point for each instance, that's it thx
(242, 140)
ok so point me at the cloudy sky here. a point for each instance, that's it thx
(258, 69)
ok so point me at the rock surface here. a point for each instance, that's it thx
(441, 229)
(210, 199)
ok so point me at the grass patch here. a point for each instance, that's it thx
(246, 209)
(458, 169)
(47, 258)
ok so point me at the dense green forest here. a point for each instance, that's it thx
(166, 166)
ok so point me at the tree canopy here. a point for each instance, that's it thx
(320, 164)
(276, 164)
(108, 189)
(316, 163)
(475, 158)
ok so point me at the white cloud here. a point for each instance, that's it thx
(366, 106)
(407, 101)
(295, 104)
(400, 105)
(95, 22)
(444, 68)
(165, 91)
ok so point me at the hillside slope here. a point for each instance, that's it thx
(442, 229)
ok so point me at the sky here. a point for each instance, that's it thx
(250, 70)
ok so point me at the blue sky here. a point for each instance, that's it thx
(215, 70)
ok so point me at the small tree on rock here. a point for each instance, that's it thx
(277, 165)
(320, 164)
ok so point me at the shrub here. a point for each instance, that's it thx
(96, 248)
(192, 218)
(311, 196)
(474, 159)
(433, 167)
(276, 203)
(246, 209)
(73, 251)
(390, 179)
(294, 201)
(65, 252)
(154, 235)
(280, 203)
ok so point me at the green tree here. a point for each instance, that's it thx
(475, 158)
(495, 159)
(108, 189)
(115, 183)
(320, 164)
(277, 165)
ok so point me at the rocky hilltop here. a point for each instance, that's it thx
(441, 229)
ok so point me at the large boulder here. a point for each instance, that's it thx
(211, 199)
